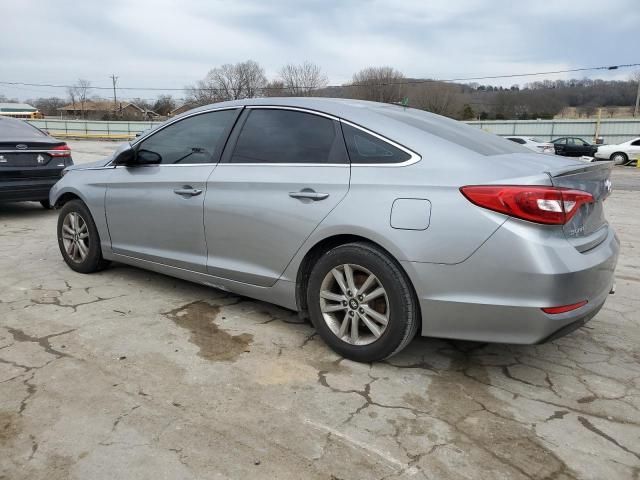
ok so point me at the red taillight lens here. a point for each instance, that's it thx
(60, 151)
(564, 308)
(546, 205)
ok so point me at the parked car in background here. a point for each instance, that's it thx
(344, 211)
(573, 147)
(621, 154)
(30, 162)
(534, 144)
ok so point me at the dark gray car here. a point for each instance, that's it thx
(376, 221)
(30, 162)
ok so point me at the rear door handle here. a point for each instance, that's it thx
(187, 191)
(309, 194)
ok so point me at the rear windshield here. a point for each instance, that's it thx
(12, 128)
(536, 140)
(472, 138)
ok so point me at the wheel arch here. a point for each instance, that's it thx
(66, 197)
(320, 248)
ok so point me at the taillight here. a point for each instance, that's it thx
(60, 151)
(546, 205)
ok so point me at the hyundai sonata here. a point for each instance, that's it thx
(376, 221)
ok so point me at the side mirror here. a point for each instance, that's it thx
(131, 157)
(147, 157)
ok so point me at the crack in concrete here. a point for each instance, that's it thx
(590, 426)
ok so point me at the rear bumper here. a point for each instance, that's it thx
(24, 190)
(497, 295)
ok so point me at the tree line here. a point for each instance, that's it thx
(539, 99)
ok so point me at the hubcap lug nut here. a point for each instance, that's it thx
(361, 310)
(349, 293)
(344, 303)
(351, 313)
(360, 297)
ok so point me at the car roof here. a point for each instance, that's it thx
(401, 124)
(14, 129)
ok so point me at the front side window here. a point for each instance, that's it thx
(287, 136)
(196, 139)
(366, 148)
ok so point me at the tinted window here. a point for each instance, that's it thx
(636, 143)
(517, 140)
(559, 141)
(196, 139)
(365, 148)
(286, 136)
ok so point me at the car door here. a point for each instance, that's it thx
(282, 172)
(154, 212)
(560, 145)
(582, 147)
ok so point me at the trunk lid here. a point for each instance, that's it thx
(17, 154)
(588, 227)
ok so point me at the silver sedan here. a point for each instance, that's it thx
(375, 221)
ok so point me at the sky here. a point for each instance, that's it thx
(174, 43)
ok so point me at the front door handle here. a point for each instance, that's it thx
(187, 191)
(309, 194)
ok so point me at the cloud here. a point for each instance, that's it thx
(171, 43)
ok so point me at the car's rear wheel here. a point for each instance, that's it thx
(361, 302)
(78, 238)
(619, 158)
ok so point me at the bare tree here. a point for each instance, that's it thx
(380, 84)
(72, 91)
(229, 82)
(437, 97)
(79, 92)
(252, 78)
(164, 104)
(302, 80)
(275, 88)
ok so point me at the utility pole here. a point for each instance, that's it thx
(114, 79)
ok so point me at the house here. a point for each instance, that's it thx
(185, 107)
(106, 110)
(19, 110)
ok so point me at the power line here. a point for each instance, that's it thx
(347, 85)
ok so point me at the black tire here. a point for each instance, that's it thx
(93, 261)
(45, 204)
(623, 158)
(403, 314)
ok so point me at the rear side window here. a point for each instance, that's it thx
(365, 148)
(287, 136)
(517, 140)
(196, 139)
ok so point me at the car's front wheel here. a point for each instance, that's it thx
(78, 238)
(361, 302)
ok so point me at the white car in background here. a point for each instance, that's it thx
(534, 144)
(621, 154)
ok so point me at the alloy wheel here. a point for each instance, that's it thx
(354, 304)
(75, 237)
